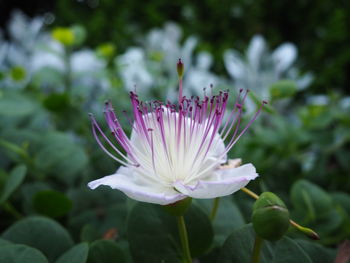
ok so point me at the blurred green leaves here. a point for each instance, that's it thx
(316, 208)
(14, 104)
(228, 217)
(153, 235)
(105, 251)
(57, 102)
(306, 196)
(283, 89)
(13, 181)
(51, 203)
(60, 156)
(21, 254)
(41, 233)
(48, 154)
(77, 254)
(239, 245)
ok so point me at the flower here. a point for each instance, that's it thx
(176, 151)
(258, 68)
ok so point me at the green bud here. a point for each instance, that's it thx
(270, 217)
(178, 208)
(283, 89)
(180, 68)
(157, 56)
(63, 35)
(18, 73)
(106, 50)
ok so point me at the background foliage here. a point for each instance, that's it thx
(50, 78)
(318, 28)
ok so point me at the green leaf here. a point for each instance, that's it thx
(283, 89)
(316, 252)
(200, 231)
(151, 237)
(228, 217)
(77, 254)
(343, 200)
(28, 191)
(239, 246)
(20, 254)
(14, 105)
(41, 233)
(48, 76)
(13, 181)
(153, 234)
(52, 203)
(57, 102)
(315, 208)
(13, 150)
(328, 222)
(88, 233)
(4, 242)
(310, 198)
(103, 209)
(61, 156)
(105, 251)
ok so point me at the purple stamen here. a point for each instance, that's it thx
(175, 134)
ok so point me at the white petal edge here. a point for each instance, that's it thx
(123, 181)
(224, 182)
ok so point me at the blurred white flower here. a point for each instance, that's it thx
(24, 35)
(320, 100)
(258, 69)
(25, 31)
(152, 64)
(86, 61)
(283, 57)
(199, 75)
(167, 42)
(133, 70)
(49, 55)
(345, 103)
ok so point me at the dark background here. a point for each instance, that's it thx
(319, 28)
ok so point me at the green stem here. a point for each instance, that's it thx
(184, 239)
(8, 207)
(257, 248)
(68, 73)
(214, 210)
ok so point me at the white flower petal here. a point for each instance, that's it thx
(86, 61)
(284, 56)
(234, 64)
(223, 182)
(218, 147)
(125, 181)
(256, 49)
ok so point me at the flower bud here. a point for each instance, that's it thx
(18, 73)
(180, 68)
(63, 35)
(178, 208)
(106, 50)
(270, 217)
